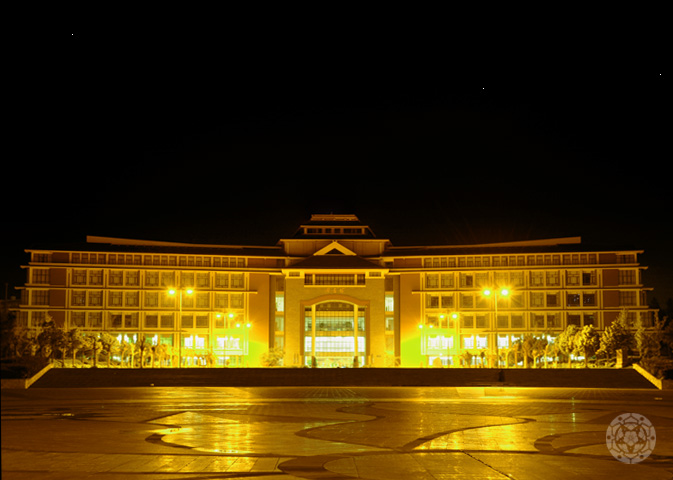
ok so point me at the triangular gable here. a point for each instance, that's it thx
(334, 248)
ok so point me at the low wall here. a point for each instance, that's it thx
(660, 383)
(23, 383)
(254, 377)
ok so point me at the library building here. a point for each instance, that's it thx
(332, 295)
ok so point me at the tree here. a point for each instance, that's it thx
(51, 339)
(95, 344)
(539, 349)
(587, 342)
(142, 346)
(161, 351)
(125, 350)
(273, 357)
(109, 344)
(566, 342)
(616, 337)
(76, 341)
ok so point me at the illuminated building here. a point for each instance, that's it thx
(331, 287)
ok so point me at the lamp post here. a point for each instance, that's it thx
(173, 291)
(487, 293)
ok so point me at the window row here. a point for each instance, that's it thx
(136, 278)
(125, 298)
(136, 320)
(530, 321)
(518, 300)
(334, 279)
(550, 278)
(511, 260)
(144, 259)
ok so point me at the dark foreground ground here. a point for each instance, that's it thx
(254, 377)
(203, 433)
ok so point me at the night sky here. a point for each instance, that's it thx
(206, 139)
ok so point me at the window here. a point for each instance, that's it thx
(78, 319)
(40, 275)
(95, 277)
(432, 280)
(222, 280)
(237, 280)
(572, 278)
(466, 280)
(151, 279)
(589, 278)
(573, 300)
(151, 321)
(517, 321)
(131, 299)
(447, 301)
(389, 303)
(187, 321)
(40, 297)
(589, 299)
(467, 321)
(537, 279)
(132, 278)
(447, 280)
(553, 300)
(553, 279)
(167, 320)
(152, 299)
(202, 280)
(627, 277)
(537, 299)
(466, 301)
(187, 279)
(432, 301)
(78, 298)
(115, 277)
(627, 299)
(333, 279)
(115, 299)
(79, 277)
(96, 298)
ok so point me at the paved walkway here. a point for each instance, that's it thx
(326, 433)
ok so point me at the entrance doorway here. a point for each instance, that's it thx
(332, 330)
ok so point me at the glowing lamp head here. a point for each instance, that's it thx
(189, 291)
(487, 292)
(504, 292)
(171, 291)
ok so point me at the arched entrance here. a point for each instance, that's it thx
(332, 330)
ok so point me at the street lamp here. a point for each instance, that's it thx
(503, 292)
(173, 291)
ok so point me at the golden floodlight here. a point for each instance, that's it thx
(171, 291)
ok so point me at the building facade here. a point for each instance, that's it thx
(332, 294)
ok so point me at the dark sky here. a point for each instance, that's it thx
(209, 138)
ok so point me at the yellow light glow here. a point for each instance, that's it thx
(504, 292)
(249, 325)
(454, 316)
(487, 292)
(420, 326)
(189, 291)
(171, 291)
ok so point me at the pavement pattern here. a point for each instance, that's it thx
(326, 433)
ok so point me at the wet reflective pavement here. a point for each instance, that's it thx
(326, 433)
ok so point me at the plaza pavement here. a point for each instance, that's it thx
(326, 433)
